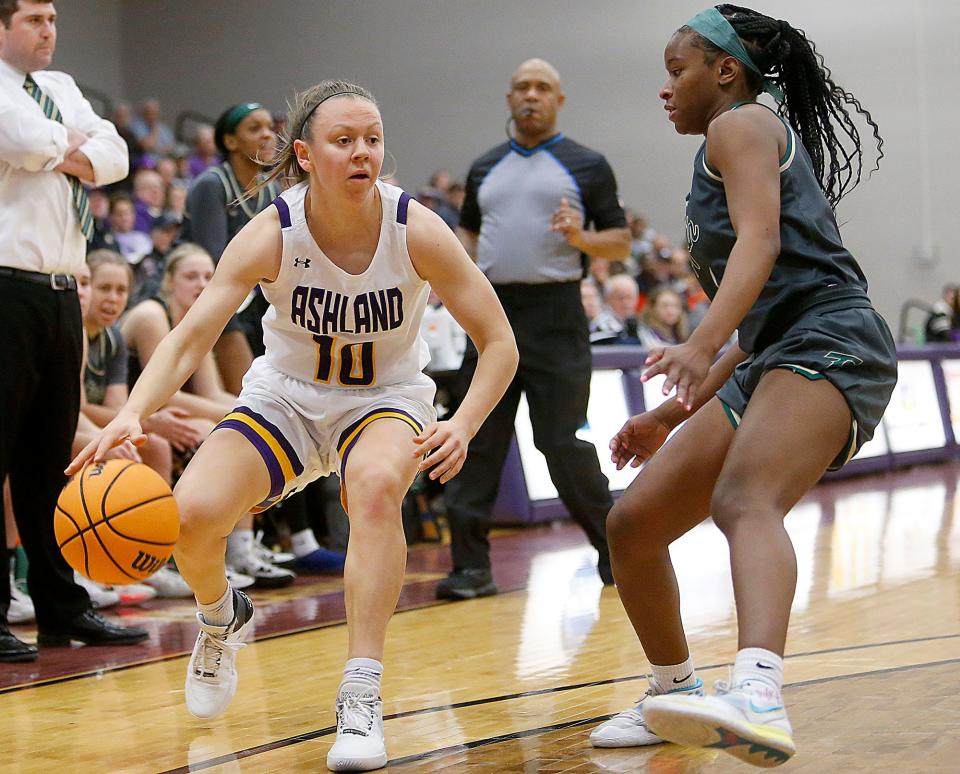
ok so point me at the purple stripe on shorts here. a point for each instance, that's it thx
(284, 211)
(277, 435)
(354, 425)
(402, 208)
(269, 458)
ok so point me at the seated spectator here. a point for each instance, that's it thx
(152, 135)
(685, 283)
(943, 323)
(604, 327)
(663, 321)
(100, 209)
(655, 268)
(177, 200)
(133, 244)
(169, 173)
(440, 181)
(621, 295)
(445, 338)
(148, 272)
(455, 195)
(122, 119)
(641, 236)
(149, 198)
(189, 268)
(436, 200)
(105, 370)
(205, 153)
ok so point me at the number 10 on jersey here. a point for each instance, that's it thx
(353, 363)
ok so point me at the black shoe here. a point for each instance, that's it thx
(90, 629)
(13, 650)
(466, 584)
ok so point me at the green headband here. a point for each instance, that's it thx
(712, 25)
(237, 114)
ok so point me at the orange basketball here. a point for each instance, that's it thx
(116, 522)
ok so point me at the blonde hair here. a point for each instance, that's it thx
(300, 113)
(647, 317)
(98, 258)
(174, 260)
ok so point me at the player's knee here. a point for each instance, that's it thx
(627, 526)
(376, 489)
(201, 515)
(728, 507)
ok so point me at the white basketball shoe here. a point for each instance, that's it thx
(360, 745)
(212, 672)
(748, 721)
(628, 728)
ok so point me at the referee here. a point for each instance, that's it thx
(525, 220)
(50, 141)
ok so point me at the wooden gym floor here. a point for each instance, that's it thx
(514, 683)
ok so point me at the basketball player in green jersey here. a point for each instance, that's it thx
(802, 392)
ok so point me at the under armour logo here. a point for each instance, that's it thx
(841, 359)
(304, 262)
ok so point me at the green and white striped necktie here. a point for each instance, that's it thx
(80, 200)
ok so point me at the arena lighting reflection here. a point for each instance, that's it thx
(563, 595)
(701, 559)
(888, 539)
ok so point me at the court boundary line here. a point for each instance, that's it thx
(326, 731)
(99, 672)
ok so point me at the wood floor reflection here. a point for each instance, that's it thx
(514, 683)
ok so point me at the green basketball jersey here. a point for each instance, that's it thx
(812, 264)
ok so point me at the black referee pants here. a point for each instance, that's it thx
(40, 356)
(555, 368)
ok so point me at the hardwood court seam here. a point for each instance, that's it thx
(444, 751)
(441, 752)
(101, 671)
(98, 673)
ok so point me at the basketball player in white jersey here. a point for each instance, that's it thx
(346, 263)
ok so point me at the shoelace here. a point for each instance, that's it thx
(262, 553)
(634, 715)
(211, 652)
(357, 713)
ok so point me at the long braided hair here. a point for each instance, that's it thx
(815, 106)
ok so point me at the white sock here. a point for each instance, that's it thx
(758, 666)
(303, 542)
(240, 542)
(361, 675)
(219, 613)
(676, 677)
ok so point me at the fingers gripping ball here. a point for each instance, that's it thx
(116, 522)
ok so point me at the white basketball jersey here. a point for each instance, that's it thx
(343, 330)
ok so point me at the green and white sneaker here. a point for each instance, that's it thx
(628, 728)
(748, 721)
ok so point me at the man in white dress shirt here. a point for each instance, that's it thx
(51, 142)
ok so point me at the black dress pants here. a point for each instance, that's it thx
(555, 369)
(40, 356)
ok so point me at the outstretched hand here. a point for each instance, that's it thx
(638, 440)
(686, 367)
(445, 444)
(124, 427)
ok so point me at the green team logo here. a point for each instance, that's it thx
(840, 359)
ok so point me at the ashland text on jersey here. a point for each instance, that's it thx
(326, 312)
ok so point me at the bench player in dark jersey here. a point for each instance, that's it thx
(804, 389)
